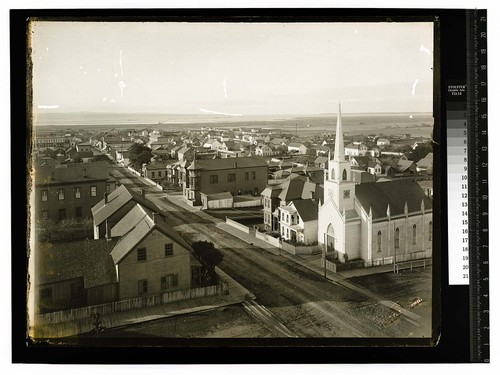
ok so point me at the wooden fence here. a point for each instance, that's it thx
(147, 301)
(237, 225)
(422, 263)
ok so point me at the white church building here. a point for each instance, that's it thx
(376, 222)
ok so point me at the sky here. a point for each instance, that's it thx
(232, 68)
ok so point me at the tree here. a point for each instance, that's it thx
(139, 155)
(100, 157)
(210, 257)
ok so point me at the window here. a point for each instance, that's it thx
(46, 295)
(141, 254)
(45, 195)
(93, 191)
(169, 249)
(62, 214)
(246, 176)
(76, 290)
(152, 174)
(78, 212)
(344, 175)
(170, 281)
(231, 177)
(256, 191)
(159, 173)
(282, 216)
(45, 214)
(430, 230)
(214, 179)
(253, 175)
(60, 194)
(78, 193)
(143, 286)
(379, 241)
(396, 239)
(414, 242)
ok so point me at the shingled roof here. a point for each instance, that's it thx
(228, 163)
(307, 209)
(135, 215)
(378, 195)
(74, 172)
(139, 232)
(62, 261)
(117, 199)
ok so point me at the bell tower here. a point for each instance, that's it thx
(339, 186)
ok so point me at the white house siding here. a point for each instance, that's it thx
(155, 267)
(310, 233)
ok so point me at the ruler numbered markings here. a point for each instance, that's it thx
(458, 215)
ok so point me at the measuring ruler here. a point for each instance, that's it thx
(467, 152)
(478, 186)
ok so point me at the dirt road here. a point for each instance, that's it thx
(304, 302)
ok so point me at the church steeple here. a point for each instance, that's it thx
(338, 155)
(338, 186)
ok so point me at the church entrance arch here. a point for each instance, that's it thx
(330, 240)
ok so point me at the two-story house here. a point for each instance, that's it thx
(238, 176)
(299, 221)
(152, 258)
(70, 190)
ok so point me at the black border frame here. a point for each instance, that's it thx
(451, 315)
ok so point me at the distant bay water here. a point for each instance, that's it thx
(385, 123)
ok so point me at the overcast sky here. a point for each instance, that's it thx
(248, 69)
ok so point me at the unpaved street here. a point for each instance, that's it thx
(303, 301)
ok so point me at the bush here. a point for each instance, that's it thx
(210, 257)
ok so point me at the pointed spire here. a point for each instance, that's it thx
(406, 208)
(339, 139)
(370, 213)
(388, 212)
(422, 205)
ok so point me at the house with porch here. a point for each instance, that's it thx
(299, 221)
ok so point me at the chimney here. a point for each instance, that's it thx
(105, 198)
(155, 217)
(108, 231)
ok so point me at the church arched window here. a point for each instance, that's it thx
(330, 238)
(430, 230)
(379, 241)
(344, 175)
(333, 174)
(396, 239)
(414, 242)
